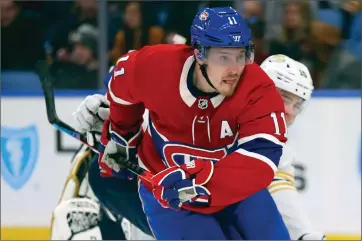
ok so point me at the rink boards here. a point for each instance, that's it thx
(35, 161)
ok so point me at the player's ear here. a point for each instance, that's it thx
(199, 57)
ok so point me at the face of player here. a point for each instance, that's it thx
(224, 68)
(292, 104)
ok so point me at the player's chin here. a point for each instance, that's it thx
(290, 121)
(227, 90)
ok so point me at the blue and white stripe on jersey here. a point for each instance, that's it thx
(264, 147)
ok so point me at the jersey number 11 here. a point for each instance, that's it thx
(276, 123)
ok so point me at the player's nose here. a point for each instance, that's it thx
(235, 69)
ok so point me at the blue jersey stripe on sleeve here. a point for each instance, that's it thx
(265, 148)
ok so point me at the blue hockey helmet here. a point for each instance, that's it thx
(220, 27)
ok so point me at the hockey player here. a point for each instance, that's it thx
(247, 144)
(295, 86)
(215, 132)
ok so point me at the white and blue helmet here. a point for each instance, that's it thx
(289, 75)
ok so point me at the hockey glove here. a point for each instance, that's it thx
(115, 148)
(184, 184)
(90, 115)
(108, 161)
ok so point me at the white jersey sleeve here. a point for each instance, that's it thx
(287, 199)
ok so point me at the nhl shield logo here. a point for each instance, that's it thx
(202, 104)
(19, 153)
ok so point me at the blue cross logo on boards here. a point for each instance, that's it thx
(19, 153)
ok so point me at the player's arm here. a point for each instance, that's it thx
(288, 200)
(121, 132)
(125, 106)
(252, 166)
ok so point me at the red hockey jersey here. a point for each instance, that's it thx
(243, 134)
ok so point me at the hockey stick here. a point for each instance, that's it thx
(47, 85)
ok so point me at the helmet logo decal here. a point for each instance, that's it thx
(278, 58)
(302, 73)
(204, 15)
(236, 38)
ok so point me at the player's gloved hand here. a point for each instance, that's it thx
(76, 219)
(91, 114)
(115, 149)
(184, 184)
(313, 236)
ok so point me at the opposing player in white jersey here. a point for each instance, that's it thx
(294, 83)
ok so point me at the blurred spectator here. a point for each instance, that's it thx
(294, 36)
(351, 6)
(252, 9)
(21, 45)
(87, 10)
(325, 36)
(253, 12)
(348, 10)
(180, 16)
(80, 69)
(344, 67)
(85, 50)
(135, 32)
(83, 12)
(115, 22)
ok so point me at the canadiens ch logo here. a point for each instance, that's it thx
(202, 104)
(204, 15)
(19, 153)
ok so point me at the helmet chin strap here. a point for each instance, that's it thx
(204, 73)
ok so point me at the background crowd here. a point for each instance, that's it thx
(325, 35)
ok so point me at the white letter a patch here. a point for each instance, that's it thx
(225, 130)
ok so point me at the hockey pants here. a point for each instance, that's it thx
(256, 217)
